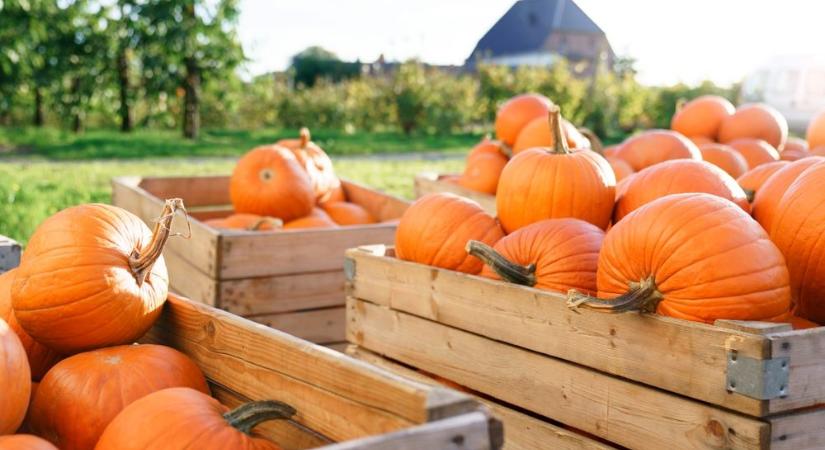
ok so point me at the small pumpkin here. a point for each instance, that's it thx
(701, 140)
(270, 181)
(553, 254)
(345, 213)
(15, 379)
(621, 169)
(702, 116)
(818, 151)
(484, 165)
(435, 229)
(796, 144)
(793, 155)
(24, 442)
(516, 112)
(317, 165)
(83, 393)
(768, 199)
(610, 151)
(755, 121)
(92, 276)
(555, 182)
(318, 218)
(725, 158)
(815, 135)
(676, 177)
(755, 151)
(538, 133)
(753, 179)
(654, 146)
(247, 222)
(650, 262)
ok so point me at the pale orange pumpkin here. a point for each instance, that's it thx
(621, 169)
(754, 178)
(816, 131)
(15, 380)
(346, 213)
(247, 222)
(484, 165)
(702, 116)
(725, 158)
(654, 146)
(537, 133)
(316, 219)
(317, 165)
(768, 199)
(516, 112)
(755, 151)
(755, 121)
(24, 442)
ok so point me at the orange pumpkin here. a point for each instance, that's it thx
(793, 155)
(818, 151)
(654, 146)
(797, 229)
(795, 144)
(753, 179)
(83, 393)
(768, 199)
(270, 181)
(92, 276)
(650, 261)
(621, 169)
(484, 165)
(555, 182)
(676, 177)
(621, 186)
(755, 151)
(610, 151)
(702, 116)
(552, 254)
(816, 131)
(316, 219)
(345, 213)
(24, 442)
(725, 158)
(755, 121)
(40, 357)
(515, 113)
(15, 379)
(537, 133)
(248, 222)
(180, 418)
(701, 140)
(317, 165)
(435, 229)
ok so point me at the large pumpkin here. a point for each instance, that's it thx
(40, 357)
(768, 198)
(182, 418)
(317, 165)
(15, 380)
(793, 154)
(24, 442)
(816, 131)
(654, 146)
(246, 222)
(725, 158)
(621, 169)
(83, 393)
(676, 177)
(318, 218)
(754, 178)
(537, 133)
(484, 165)
(755, 151)
(755, 121)
(346, 213)
(270, 181)
(798, 229)
(702, 116)
(553, 254)
(515, 113)
(435, 229)
(693, 256)
(555, 182)
(92, 276)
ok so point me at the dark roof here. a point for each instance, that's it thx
(528, 23)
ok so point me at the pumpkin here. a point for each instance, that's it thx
(92, 276)
(345, 213)
(702, 116)
(484, 165)
(316, 219)
(24, 442)
(793, 154)
(797, 229)
(768, 198)
(610, 151)
(183, 418)
(621, 169)
(818, 151)
(676, 177)
(753, 179)
(755, 121)
(315, 161)
(435, 229)
(621, 186)
(692, 256)
(516, 112)
(755, 151)
(725, 158)
(593, 141)
(654, 146)
(40, 357)
(270, 181)
(701, 140)
(795, 144)
(555, 182)
(538, 133)
(15, 379)
(552, 254)
(247, 222)
(815, 134)
(83, 393)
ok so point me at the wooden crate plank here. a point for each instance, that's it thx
(283, 293)
(336, 396)
(680, 356)
(799, 431)
(619, 411)
(806, 379)
(195, 191)
(381, 206)
(185, 279)
(9, 254)
(429, 182)
(321, 326)
(338, 346)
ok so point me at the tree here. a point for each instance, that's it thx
(315, 63)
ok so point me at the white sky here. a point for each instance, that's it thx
(672, 40)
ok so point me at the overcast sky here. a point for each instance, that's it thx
(672, 40)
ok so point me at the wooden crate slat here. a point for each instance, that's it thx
(430, 182)
(195, 191)
(321, 326)
(187, 280)
(282, 293)
(620, 411)
(803, 430)
(806, 383)
(381, 206)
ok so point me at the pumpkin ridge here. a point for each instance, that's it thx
(811, 253)
(734, 298)
(729, 277)
(650, 255)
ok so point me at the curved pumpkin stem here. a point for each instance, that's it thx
(514, 273)
(142, 260)
(559, 141)
(274, 222)
(305, 136)
(749, 194)
(247, 416)
(643, 297)
(595, 143)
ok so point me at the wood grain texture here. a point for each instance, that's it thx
(429, 182)
(798, 431)
(806, 378)
(195, 191)
(282, 293)
(186, 280)
(321, 326)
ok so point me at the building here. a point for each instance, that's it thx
(538, 32)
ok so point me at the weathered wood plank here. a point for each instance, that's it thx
(185, 279)
(321, 326)
(429, 182)
(381, 206)
(619, 411)
(283, 293)
(806, 377)
(799, 431)
(195, 191)
(9, 254)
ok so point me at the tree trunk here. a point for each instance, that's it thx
(77, 120)
(38, 106)
(191, 109)
(123, 77)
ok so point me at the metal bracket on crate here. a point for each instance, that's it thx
(349, 269)
(762, 379)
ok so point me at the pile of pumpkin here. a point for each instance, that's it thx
(289, 185)
(676, 236)
(92, 282)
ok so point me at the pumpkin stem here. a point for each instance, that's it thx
(559, 141)
(142, 260)
(595, 143)
(642, 296)
(274, 222)
(680, 103)
(508, 270)
(247, 416)
(749, 194)
(305, 136)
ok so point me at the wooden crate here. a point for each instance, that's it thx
(639, 381)
(291, 280)
(429, 182)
